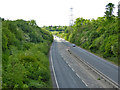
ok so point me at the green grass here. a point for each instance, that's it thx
(98, 79)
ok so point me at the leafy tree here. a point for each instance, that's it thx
(25, 48)
(99, 35)
(109, 10)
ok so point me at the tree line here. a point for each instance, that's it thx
(99, 36)
(25, 48)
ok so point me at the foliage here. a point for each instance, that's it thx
(109, 10)
(25, 48)
(99, 36)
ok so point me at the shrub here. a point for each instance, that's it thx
(93, 36)
(24, 56)
(108, 47)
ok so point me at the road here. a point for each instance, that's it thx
(66, 78)
(69, 73)
(100, 64)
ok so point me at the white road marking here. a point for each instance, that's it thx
(84, 82)
(66, 62)
(73, 69)
(54, 71)
(77, 75)
(69, 65)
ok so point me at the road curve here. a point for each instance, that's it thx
(107, 68)
(65, 77)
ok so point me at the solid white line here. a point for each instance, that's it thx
(54, 71)
(84, 83)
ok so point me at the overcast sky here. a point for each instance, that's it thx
(53, 12)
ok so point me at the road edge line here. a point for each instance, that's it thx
(54, 70)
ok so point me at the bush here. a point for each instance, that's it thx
(13, 74)
(100, 36)
(108, 47)
(93, 36)
(96, 44)
(25, 55)
(114, 49)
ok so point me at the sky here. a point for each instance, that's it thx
(53, 12)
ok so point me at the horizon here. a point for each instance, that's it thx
(52, 12)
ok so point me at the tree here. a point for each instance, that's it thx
(32, 22)
(109, 10)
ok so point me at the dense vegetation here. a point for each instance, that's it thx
(99, 36)
(55, 28)
(25, 48)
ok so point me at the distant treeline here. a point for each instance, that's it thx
(99, 36)
(25, 48)
(55, 28)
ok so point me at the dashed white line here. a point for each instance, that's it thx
(72, 69)
(67, 62)
(84, 82)
(69, 65)
(77, 75)
(54, 71)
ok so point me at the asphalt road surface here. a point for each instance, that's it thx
(69, 73)
(64, 75)
(98, 63)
